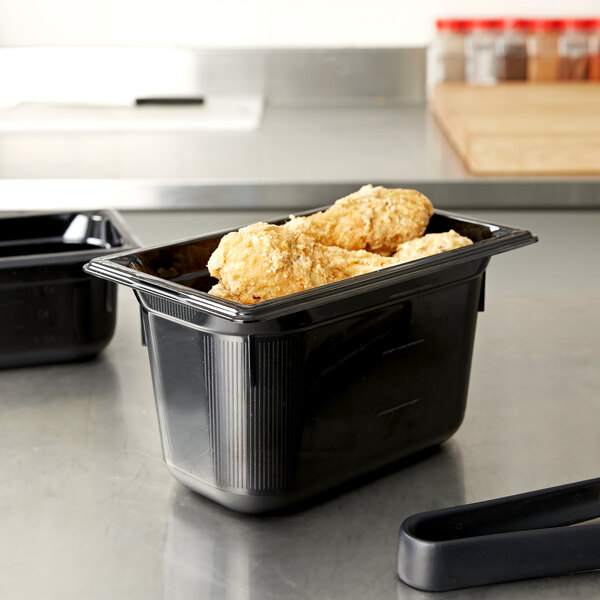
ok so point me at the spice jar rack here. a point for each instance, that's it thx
(486, 51)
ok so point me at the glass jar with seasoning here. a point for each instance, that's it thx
(542, 50)
(594, 50)
(573, 49)
(480, 51)
(511, 50)
(448, 50)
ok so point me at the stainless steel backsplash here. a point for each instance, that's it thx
(281, 76)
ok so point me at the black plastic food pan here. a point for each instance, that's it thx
(262, 406)
(50, 309)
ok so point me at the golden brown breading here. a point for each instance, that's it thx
(376, 219)
(220, 291)
(263, 261)
(432, 243)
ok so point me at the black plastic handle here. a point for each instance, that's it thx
(506, 539)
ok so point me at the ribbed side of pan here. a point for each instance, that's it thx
(253, 388)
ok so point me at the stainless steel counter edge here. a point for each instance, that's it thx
(69, 194)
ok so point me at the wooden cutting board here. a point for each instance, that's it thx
(522, 128)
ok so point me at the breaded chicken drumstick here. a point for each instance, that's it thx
(376, 219)
(263, 261)
(431, 243)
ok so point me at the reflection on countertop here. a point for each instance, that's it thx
(214, 553)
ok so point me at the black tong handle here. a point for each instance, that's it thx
(506, 539)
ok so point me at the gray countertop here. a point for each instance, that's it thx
(299, 157)
(89, 510)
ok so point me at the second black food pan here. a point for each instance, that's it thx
(262, 406)
(50, 309)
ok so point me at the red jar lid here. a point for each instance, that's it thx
(451, 24)
(546, 24)
(512, 23)
(578, 24)
(486, 23)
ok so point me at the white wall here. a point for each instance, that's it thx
(251, 23)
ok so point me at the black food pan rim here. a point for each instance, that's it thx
(130, 241)
(114, 267)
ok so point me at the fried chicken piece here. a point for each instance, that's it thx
(220, 291)
(376, 219)
(263, 261)
(431, 243)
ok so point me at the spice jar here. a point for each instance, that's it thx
(594, 50)
(448, 50)
(480, 51)
(573, 49)
(542, 50)
(511, 50)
